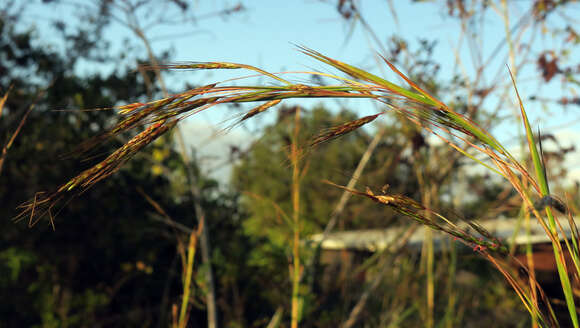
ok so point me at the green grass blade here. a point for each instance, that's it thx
(364, 75)
(543, 184)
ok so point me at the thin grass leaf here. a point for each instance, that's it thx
(532, 144)
(366, 76)
(529, 304)
(452, 119)
(413, 84)
(574, 231)
(454, 146)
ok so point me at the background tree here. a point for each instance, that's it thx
(264, 177)
(96, 269)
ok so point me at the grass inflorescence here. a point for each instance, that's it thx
(416, 104)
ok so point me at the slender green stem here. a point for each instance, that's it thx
(430, 278)
(450, 313)
(544, 190)
(187, 280)
(429, 192)
(296, 216)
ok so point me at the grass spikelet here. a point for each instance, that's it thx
(201, 90)
(257, 110)
(140, 114)
(337, 131)
(417, 212)
(127, 109)
(193, 65)
(253, 112)
(110, 164)
(213, 65)
(124, 125)
(43, 203)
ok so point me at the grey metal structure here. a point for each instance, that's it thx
(377, 240)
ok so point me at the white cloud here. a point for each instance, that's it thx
(213, 145)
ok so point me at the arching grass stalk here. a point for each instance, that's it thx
(466, 136)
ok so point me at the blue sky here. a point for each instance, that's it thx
(263, 35)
